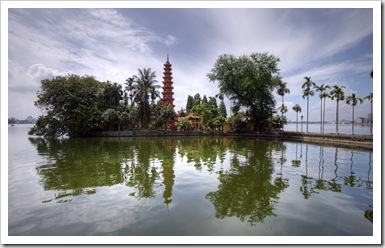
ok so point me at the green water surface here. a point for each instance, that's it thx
(186, 186)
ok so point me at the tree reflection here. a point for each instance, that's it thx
(245, 190)
(369, 185)
(320, 183)
(307, 188)
(140, 175)
(351, 179)
(334, 185)
(296, 162)
(369, 182)
(203, 151)
(69, 173)
(79, 166)
(249, 185)
(313, 185)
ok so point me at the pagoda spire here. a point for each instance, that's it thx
(167, 85)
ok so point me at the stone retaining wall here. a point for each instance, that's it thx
(358, 140)
(152, 133)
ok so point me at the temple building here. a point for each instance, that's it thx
(168, 94)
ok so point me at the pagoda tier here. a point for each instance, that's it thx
(167, 85)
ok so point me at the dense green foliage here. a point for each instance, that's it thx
(249, 81)
(74, 105)
(211, 116)
(189, 103)
(164, 114)
(184, 123)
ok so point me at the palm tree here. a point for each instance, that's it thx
(144, 87)
(370, 98)
(353, 100)
(128, 88)
(338, 94)
(324, 95)
(321, 88)
(307, 91)
(282, 109)
(282, 90)
(297, 109)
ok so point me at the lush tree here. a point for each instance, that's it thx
(297, 109)
(204, 112)
(213, 106)
(282, 90)
(165, 114)
(338, 94)
(145, 88)
(197, 100)
(222, 109)
(238, 121)
(219, 121)
(307, 91)
(110, 96)
(184, 123)
(370, 99)
(322, 88)
(111, 119)
(207, 110)
(248, 81)
(204, 99)
(71, 104)
(129, 116)
(353, 100)
(189, 104)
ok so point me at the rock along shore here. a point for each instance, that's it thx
(356, 140)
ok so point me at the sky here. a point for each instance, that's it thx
(333, 46)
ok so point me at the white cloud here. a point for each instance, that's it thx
(170, 40)
(39, 72)
(110, 45)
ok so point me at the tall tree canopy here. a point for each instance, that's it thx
(74, 105)
(249, 81)
(189, 104)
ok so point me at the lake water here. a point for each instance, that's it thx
(186, 186)
(330, 128)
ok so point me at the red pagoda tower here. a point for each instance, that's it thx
(167, 85)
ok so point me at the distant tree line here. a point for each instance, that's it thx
(28, 120)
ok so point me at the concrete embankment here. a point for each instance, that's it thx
(152, 133)
(357, 140)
